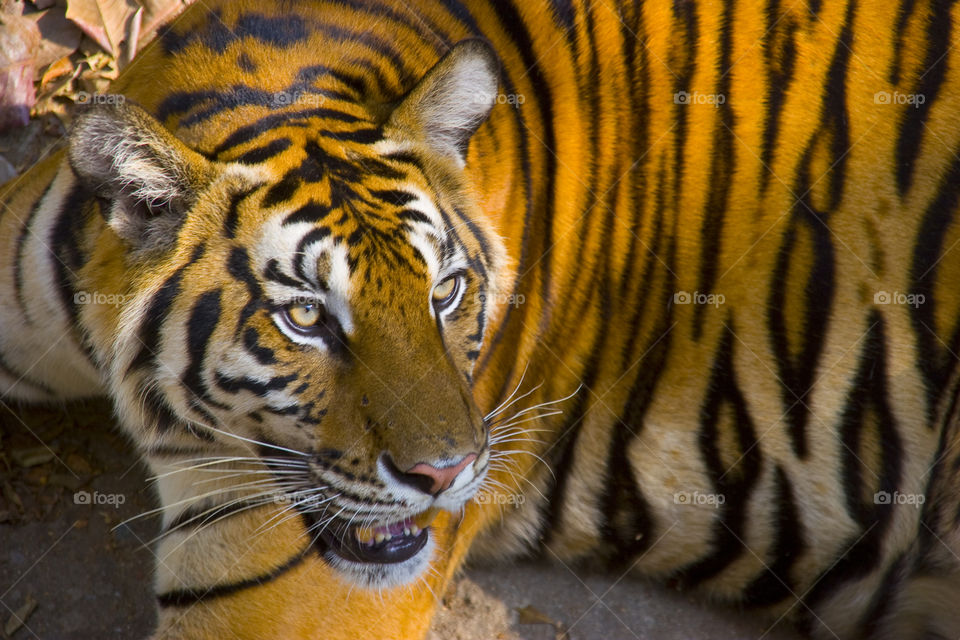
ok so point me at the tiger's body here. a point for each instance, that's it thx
(701, 224)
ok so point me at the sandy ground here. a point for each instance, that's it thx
(91, 579)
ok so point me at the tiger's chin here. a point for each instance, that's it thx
(380, 556)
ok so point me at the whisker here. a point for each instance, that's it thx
(513, 393)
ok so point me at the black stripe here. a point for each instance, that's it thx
(781, 54)
(310, 212)
(273, 272)
(735, 484)
(396, 197)
(775, 583)
(168, 451)
(157, 407)
(203, 320)
(834, 112)
(561, 462)
(934, 67)
(904, 13)
(148, 334)
(282, 31)
(797, 374)
(565, 15)
(933, 360)
(686, 35)
(190, 597)
(722, 169)
(256, 387)
(265, 152)
(26, 229)
(17, 378)
(883, 601)
(284, 119)
(366, 135)
(232, 220)
(67, 258)
(413, 215)
(314, 236)
(238, 266)
(251, 341)
(867, 415)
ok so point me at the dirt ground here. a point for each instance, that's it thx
(73, 573)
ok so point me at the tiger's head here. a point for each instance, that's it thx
(311, 301)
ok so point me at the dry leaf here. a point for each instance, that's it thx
(19, 39)
(19, 618)
(157, 13)
(103, 20)
(531, 615)
(59, 68)
(32, 456)
(58, 36)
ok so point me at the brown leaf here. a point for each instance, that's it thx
(59, 36)
(103, 20)
(32, 456)
(19, 39)
(19, 617)
(12, 496)
(59, 68)
(78, 464)
(531, 615)
(157, 12)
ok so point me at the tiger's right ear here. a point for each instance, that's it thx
(147, 178)
(451, 101)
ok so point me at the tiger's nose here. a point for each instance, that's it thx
(428, 478)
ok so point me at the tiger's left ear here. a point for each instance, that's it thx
(146, 176)
(448, 105)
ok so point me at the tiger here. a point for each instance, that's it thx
(674, 280)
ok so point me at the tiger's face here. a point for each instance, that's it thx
(318, 308)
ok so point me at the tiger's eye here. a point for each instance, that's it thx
(444, 292)
(304, 315)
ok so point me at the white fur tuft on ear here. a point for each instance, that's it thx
(144, 175)
(452, 100)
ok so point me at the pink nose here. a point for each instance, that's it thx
(439, 479)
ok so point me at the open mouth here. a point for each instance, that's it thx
(384, 543)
